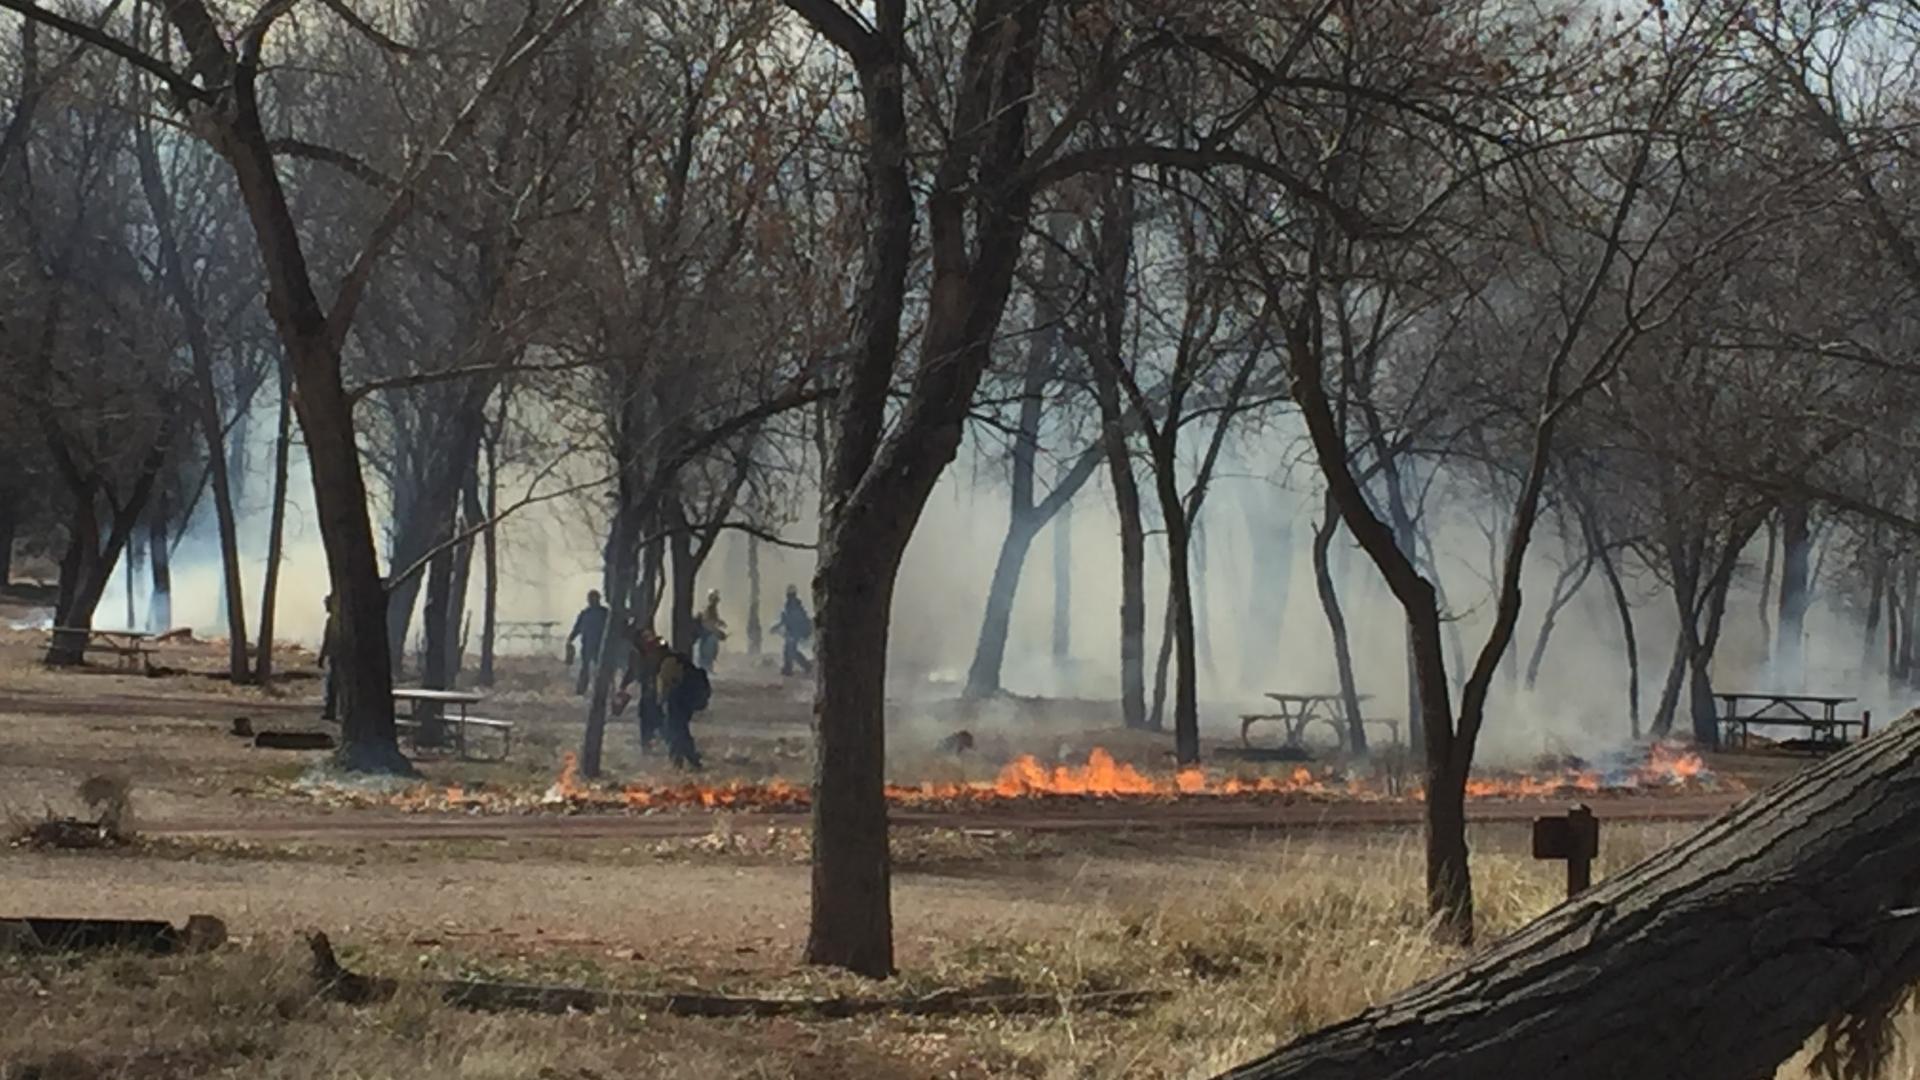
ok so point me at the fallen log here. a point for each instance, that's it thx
(35, 934)
(337, 983)
(293, 740)
(1717, 959)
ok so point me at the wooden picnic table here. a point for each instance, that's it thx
(1817, 714)
(133, 647)
(428, 707)
(1296, 712)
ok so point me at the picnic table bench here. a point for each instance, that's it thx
(429, 708)
(1816, 714)
(134, 648)
(1297, 711)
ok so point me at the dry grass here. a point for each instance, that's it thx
(1256, 949)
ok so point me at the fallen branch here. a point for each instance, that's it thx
(336, 983)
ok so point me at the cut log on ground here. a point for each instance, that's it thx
(337, 983)
(1717, 959)
(37, 934)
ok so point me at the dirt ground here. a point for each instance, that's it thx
(1195, 904)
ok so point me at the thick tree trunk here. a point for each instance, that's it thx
(1706, 716)
(276, 529)
(1797, 906)
(990, 650)
(1202, 639)
(852, 911)
(1870, 645)
(1323, 535)
(1795, 590)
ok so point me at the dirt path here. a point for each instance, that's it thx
(1034, 816)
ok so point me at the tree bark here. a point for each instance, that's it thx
(1624, 608)
(9, 527)
(1796, 538)
(852, 913)
(990, 650)
(160, 563)
(276, 529)
(490, 567)
(754, 628)
(623, 551)
(1797, 906)
(1323, 535)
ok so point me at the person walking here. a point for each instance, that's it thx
(589, 629)
(643, 669)
(796, 626)
(709, 630)
(684, 689)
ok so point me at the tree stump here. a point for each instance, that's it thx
(1718, 958)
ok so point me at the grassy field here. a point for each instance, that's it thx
(1252, 939)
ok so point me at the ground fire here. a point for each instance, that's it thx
(1102, 777)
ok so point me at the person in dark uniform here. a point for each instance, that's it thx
(796, 626)
(683, 688)
(589, 627)
(643, 668)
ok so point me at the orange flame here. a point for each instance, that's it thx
(1102, 777)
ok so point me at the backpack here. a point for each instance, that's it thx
(694, 688)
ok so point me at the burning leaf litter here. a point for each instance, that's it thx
(1660, 769)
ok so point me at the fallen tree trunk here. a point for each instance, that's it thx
(338, 984)
(1717, 959)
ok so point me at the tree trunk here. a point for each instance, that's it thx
(1795, 591)
(1157, 713)
(1063, 587)
(852, 912)
(1133, 593)
(1624, 608)
(490, 565)
(1202, 639)
(1766, 590)
(1706, 717)
(1565, 587)
(990, 651)
(9, 527)
(457, 615)
(436, 629)
(680, 612)
(1797, 905)
(623, 551)
(206, 399)
(754, 628)
(1676, 679)
(276, 530)
(1186, 689)
(1323, 535)
(160, 564)
(1876, 590)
